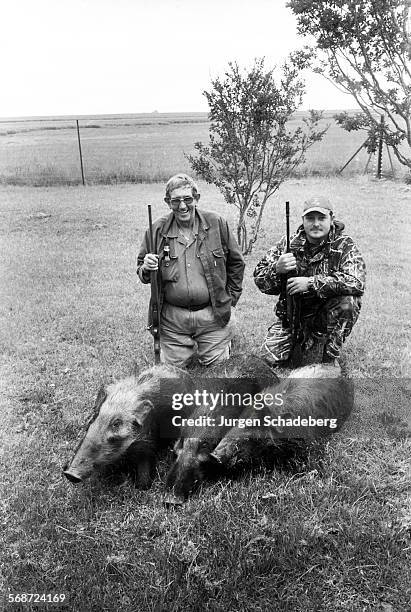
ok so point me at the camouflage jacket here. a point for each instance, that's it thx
(336, 267)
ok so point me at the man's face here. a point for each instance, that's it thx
(317, 226)
(182, 203)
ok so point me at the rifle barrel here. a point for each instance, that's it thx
(287, 217)
(155, 329)
(293, 305)
(150, 225)
(289, 298)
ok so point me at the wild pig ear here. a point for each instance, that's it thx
(100, 399)
(143, 411)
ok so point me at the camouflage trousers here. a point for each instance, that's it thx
(327, 321)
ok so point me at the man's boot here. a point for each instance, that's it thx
(315, 351)
(331, 360)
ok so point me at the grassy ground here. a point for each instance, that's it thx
(143, 148)
(331, 534)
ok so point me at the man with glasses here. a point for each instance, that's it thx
(200, 276)
(326, 277)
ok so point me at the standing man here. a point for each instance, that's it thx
(327, 278)
(200, 276)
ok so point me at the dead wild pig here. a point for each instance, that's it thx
(242, 375)
(315, 392)
(125, 427)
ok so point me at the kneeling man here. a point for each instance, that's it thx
(326, 277)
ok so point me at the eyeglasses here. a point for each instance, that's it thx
(175, 202)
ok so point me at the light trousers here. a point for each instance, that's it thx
(182, 331)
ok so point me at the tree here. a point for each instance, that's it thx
(359, 121)
(366, 51)
(251, 151)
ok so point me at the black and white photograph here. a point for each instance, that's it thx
(205, 356)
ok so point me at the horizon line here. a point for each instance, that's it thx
(15, 118)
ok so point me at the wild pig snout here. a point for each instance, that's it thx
(230, 453)
(104, 444)
(187, 470)
(183, 477)
(81, 466)
(223, 450)
(71, 476)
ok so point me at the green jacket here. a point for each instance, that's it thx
(219, 253)
(335, 268)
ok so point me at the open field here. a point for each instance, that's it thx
(142, 148)
(331, 534)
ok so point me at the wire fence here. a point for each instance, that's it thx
(148, 148)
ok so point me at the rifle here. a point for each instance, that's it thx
(155, 315)
(293, 304)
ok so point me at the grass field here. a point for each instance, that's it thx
(142, 148)
(330, 534)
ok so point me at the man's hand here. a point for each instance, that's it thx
(286, 263)
(297, 284)
(150, 262)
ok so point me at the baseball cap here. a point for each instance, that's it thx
(319, 204)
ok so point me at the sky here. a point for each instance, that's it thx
(80, 57)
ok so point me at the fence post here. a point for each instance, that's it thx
(364, 144)
(380, 143)
(81, 156)
(390, 158)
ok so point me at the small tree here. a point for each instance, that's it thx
(251, 150)
(366, 51)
